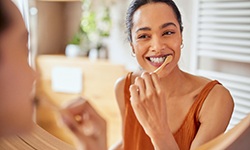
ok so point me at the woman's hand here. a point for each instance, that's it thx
(149, 104)
(86, 124)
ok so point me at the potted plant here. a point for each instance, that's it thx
(94, 27)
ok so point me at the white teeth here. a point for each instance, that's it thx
(157, 59)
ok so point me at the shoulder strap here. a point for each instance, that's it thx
(202, 97)
(126, 87)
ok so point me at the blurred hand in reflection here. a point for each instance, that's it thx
(86, 124)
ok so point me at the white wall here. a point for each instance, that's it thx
(119, 49)
(186, 9)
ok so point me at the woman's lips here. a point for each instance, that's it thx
(166, 62)
(156, 61)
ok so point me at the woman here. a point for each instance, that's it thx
(16, 83)
(171, 109)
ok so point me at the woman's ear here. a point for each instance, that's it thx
(133, 50)
(182, 44)
(132, 47)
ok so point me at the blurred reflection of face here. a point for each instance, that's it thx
(155, 35)
(16, 76)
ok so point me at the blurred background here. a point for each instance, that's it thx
(89, 35)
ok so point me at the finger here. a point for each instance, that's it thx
(137, 105)
(92, 112)
(158, 89)
(156, 81)
(81, 106)
(83, 112)
(85, 130)
(134, 92)
(71, 123)
(139, 82)
(92, 128)
(151, 94)
(149, 84)
(94, 123)
(75, 106)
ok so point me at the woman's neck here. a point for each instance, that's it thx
(176, 83)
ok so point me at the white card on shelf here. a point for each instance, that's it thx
(66, 79)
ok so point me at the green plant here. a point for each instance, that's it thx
(95, 25)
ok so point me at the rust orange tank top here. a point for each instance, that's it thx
(136, 139)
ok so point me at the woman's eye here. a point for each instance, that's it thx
(143, 36)
(168, 33)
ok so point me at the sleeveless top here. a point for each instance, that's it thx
(134, 137)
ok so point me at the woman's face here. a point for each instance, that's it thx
(16, 77)
(155, 35)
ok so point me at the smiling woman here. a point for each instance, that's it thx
(171, 109)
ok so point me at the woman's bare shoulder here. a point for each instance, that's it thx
(119, 84)
(199, 80)
(218, 101)
(196, 83)
(218, 95)
(220, 92)
(217, 92)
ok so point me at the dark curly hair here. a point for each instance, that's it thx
(135, 4)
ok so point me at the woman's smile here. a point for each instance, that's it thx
(157, 61)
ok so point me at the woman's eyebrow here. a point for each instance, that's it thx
(143, 29)
(167, 24)
(161, 27)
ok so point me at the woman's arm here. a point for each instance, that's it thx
(119, 93)
(236, 138)
(214, 116)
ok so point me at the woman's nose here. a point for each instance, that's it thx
(157, 44)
